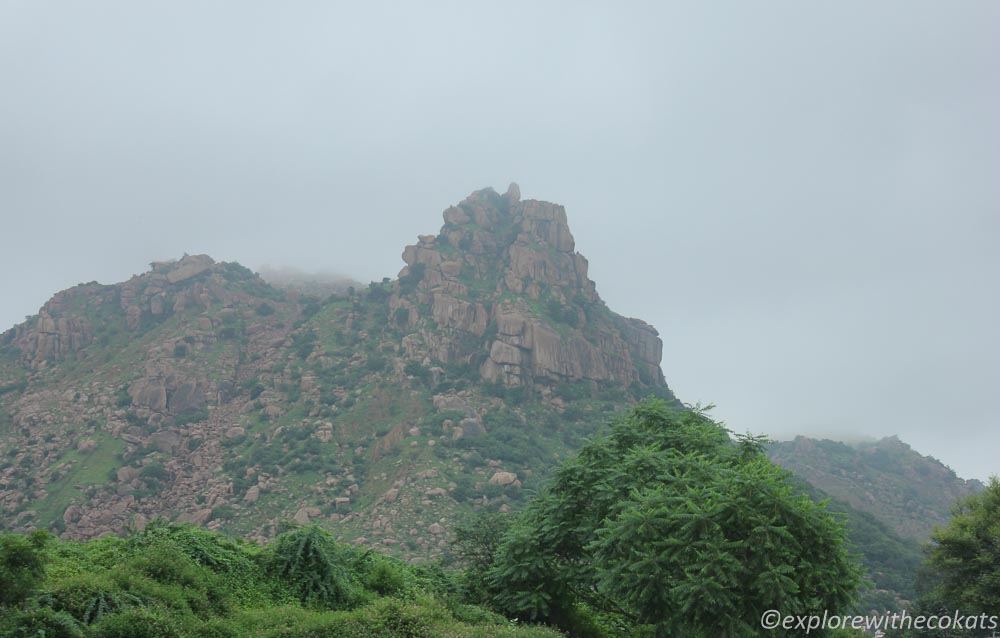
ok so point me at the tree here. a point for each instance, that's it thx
(22, 566)
(475, 545)
(962, 571)
(670, 524)
(966, 554)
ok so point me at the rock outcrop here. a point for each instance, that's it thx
(501, 286)
(67, 323)
(56, 333)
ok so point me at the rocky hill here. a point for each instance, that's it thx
(891, 498)
(197, 391)
(908, 492)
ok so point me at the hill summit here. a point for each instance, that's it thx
(506, 270)
(197, 391)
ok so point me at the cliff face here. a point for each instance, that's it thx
(501, 287)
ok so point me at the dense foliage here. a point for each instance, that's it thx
(671, 527)
(962, 571)
(664, 527)
(173, 581)
(891, 562)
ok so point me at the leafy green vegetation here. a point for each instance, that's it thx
(664, 527)
(962, 569)
(891, 562)
(180, 581)
(21, 567)
(666, 524)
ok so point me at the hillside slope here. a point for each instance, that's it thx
(908, 492)
(198, 392)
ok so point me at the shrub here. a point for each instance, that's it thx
(40, 622)
(386, 578)
(155, 471)
(408, 282)
(304, 343)
(89, 598)
(313, 566)
(265, 309)
(165, 576)
(417, 370)
(375, 363)
(138, 623)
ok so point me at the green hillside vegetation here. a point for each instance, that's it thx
(891, 563)
(663, 527)
(177, 580)
(908, 492)
(961, 573)
(891, 498)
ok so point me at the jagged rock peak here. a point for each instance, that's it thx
(506, 270)
(513, 193)
(524, 246)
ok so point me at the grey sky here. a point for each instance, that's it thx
(802, 197)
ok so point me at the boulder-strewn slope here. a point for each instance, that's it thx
(197, 391)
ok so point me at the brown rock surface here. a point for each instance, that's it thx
(494, 252)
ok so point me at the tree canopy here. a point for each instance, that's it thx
(670, 524)
(961, 574)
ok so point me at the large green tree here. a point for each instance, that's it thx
(966, 554)
(22, 566)
(669, 523)
(961, 574)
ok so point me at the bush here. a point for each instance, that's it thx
(89, 598)
(40, 622)
(265, 309)
(165, 576)
(219, 553)
(138, 623)
(416, 370)
(313, 566)
(376, 363)
(386, 578)
(304, 342)
(408, 282)
(155, 471)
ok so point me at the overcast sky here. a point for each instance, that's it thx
(804, 198)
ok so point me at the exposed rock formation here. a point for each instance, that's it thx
(55, 334)
(501, 286)
(65, 325)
